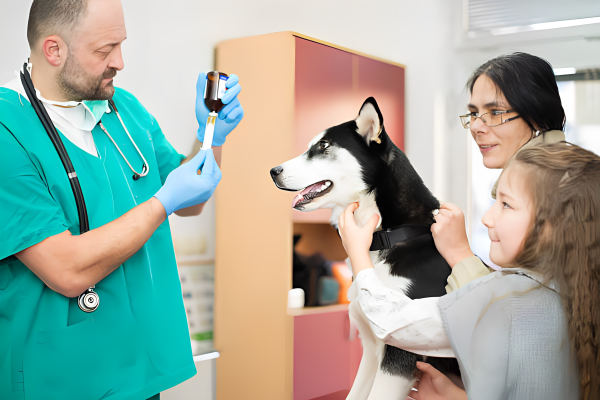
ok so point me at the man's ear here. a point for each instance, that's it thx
(370, 121)
(54, 50)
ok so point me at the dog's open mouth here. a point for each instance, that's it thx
(310, 193)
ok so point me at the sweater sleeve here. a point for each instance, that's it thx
(465, 271)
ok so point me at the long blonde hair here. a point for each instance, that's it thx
(563, 242)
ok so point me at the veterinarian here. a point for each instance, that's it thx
(514, 105)
(132, 342)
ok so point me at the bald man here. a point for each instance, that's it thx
(131, 341)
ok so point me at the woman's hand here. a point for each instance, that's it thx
(450, 235)
(435, 386)
(357, 240)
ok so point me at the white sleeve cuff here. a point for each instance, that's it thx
(414, 325)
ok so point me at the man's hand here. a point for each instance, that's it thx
(357, 240)
(434, 385)
(229, 116)
(450, 235)
(184, 187)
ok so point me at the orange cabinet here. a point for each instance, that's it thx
(293, 87)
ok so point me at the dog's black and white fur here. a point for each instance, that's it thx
(357, 162)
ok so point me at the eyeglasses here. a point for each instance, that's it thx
(492, 118)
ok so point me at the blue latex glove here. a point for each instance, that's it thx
(184, 187)
(230, 115)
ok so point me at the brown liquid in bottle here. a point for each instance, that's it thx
(215, 88)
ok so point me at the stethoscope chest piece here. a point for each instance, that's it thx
(88, 301)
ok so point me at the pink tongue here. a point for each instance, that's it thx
(300, 196)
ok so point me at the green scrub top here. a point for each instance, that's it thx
(136, 344)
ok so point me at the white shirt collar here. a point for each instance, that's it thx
(77, 113)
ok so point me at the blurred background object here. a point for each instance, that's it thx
(440, 42)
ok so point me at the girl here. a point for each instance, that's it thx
(531, 330)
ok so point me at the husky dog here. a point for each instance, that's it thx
(357, 162)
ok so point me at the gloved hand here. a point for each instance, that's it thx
(184, 187)
(230, 115)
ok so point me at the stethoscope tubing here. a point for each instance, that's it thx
(84, 224)
(145, 167)
(45, 120)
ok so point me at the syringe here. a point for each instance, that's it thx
(210, 130)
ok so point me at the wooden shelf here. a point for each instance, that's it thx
(194, 260)
(319, 238)
(296, 312)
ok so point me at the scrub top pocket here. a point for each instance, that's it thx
(82, 365)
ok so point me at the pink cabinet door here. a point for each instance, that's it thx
(325, 358)
(331, 85)
(384, 82)
(323, 90)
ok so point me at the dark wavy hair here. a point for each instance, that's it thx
(529, 86)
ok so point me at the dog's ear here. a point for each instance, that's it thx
(370, 121)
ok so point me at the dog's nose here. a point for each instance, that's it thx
(276, 171)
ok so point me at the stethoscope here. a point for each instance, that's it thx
(89, 300)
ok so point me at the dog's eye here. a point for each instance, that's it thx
(323, 145)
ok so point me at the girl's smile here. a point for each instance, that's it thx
(509, 219)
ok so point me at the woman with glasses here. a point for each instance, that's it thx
(514, 104)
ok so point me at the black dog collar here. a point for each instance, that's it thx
(386, 239)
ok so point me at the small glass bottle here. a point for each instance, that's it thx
(213, 92)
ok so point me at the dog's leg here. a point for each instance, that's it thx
(396, 374)
(390, 387)
(372, 351)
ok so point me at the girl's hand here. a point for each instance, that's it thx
(357, 240)
(435, 386)
(450, 235)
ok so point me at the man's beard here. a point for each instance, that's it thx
(77, 85)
